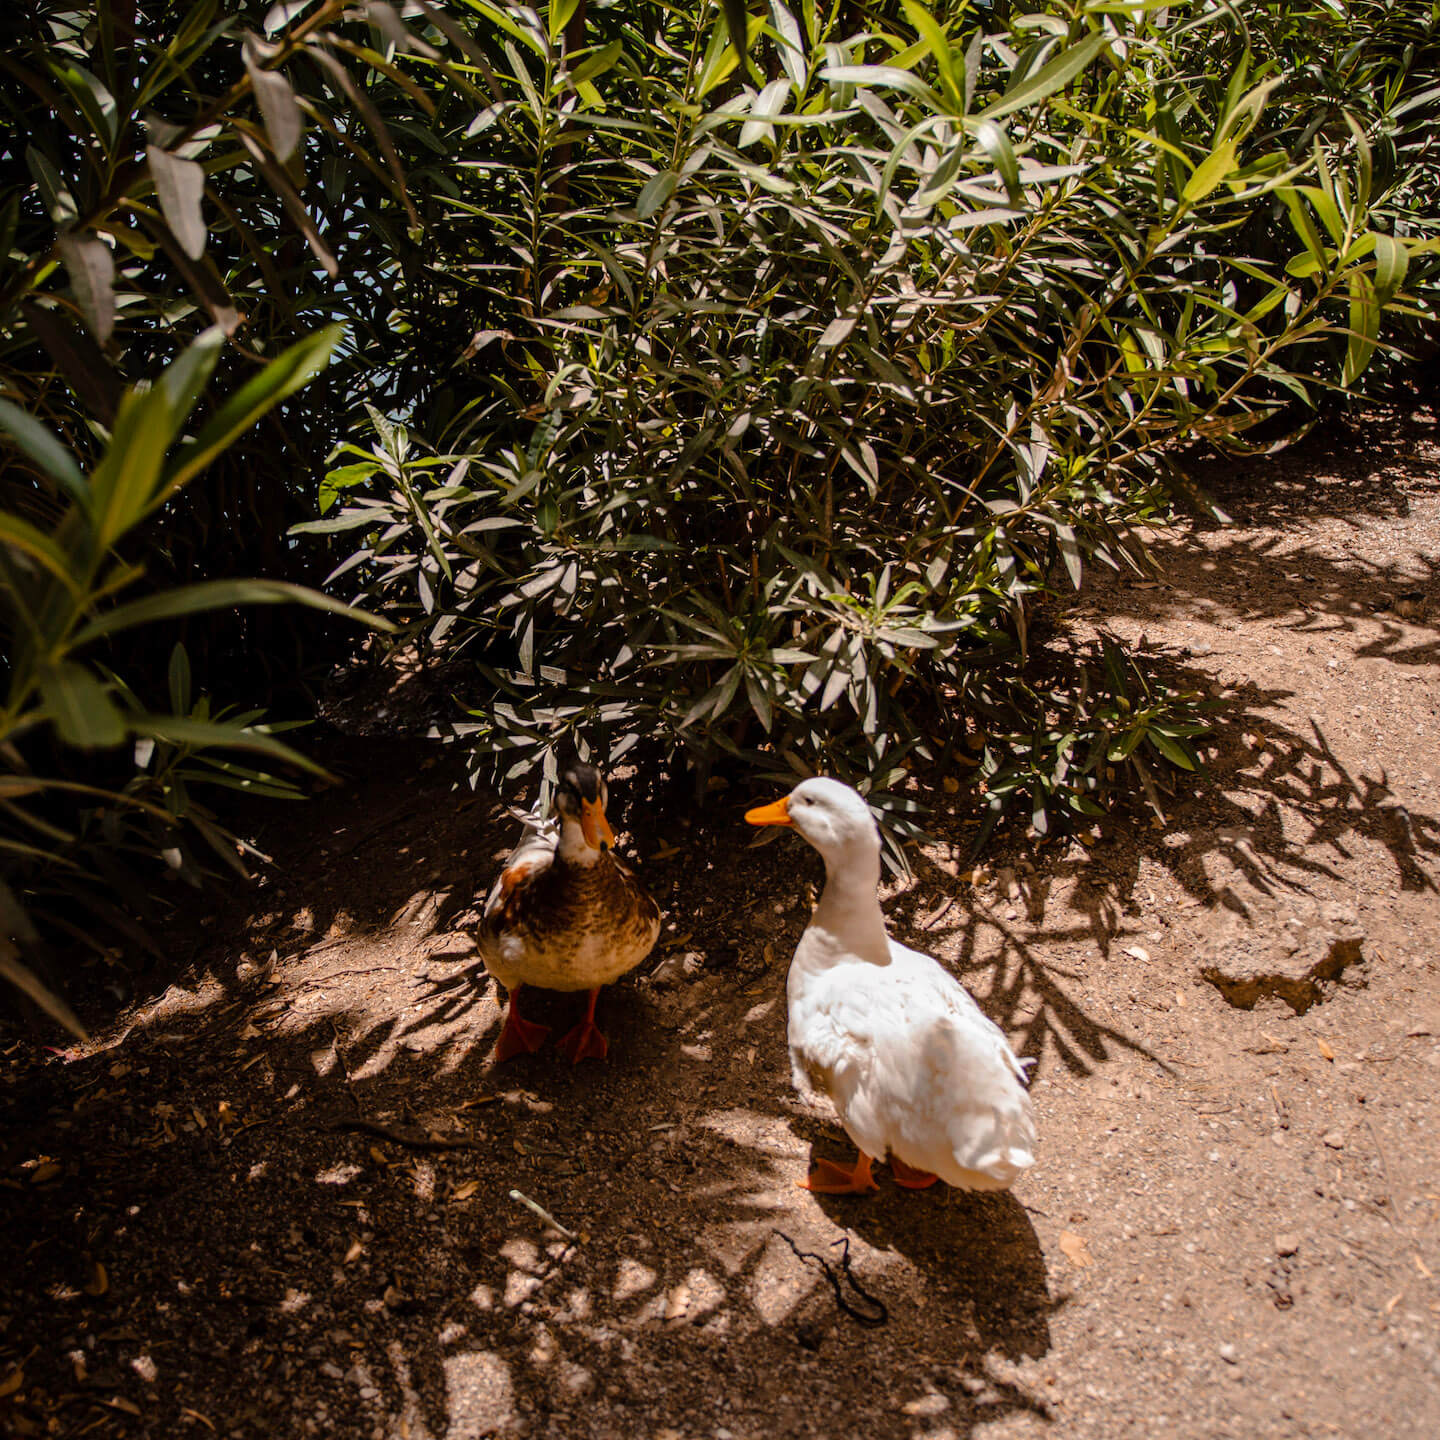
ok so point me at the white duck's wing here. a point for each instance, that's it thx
(961, 1107)
(836, 1022)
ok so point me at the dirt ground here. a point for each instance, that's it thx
(284, 1192)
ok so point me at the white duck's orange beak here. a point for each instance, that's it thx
(776, 814)
(594, 826)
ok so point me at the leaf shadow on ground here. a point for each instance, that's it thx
(298, 1177)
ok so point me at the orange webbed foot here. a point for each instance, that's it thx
(520, 1036)
(828, 1178)
(910, 1178)
(584, 1042)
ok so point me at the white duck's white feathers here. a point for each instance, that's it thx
(913, 1067)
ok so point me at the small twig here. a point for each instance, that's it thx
(412, 1142)
(936, 915)
(250, 1125)
(544, 1214)
(881, 1314)
(319, 980)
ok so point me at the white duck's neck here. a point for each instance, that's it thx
(573, 848)
(848, 922)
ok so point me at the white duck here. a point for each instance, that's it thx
(914, 1069)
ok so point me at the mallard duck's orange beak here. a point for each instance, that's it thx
(594, 826)
(776, 814)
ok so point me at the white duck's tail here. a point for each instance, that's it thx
(992, 1130)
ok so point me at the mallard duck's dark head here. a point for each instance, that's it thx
(580, 797)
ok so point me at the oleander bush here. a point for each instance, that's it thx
(792, 373)
(739, 381)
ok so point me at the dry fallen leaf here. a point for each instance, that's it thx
(198, 1416)
(1325, 1050)
(119, 1402)
(354, 1252)
(99, 1281)
(12, 1382)
(1077, 1249)
(41, 1173)
(378, 1155)
(1139, 952)
(465, 1191)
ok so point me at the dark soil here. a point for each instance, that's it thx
(283, 1192)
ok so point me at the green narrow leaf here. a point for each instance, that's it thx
(1069, 553)
(76, 355)
(184, 379)
(179, 680)
(125, 481)
(881, 77)
(1392, 260)
(1323, 202)
(278, 106)
(180, 187)
(768, 103)
(1304, 226)
(929, 31)
(560, 14)
(333, 524)
(281, 377)
(597, 64)
(43, 447)
(218, 595)
(22, 535)
(80, 707)
(91, 268)
(737, 22)
(1364, 327)
(497, 17)
(1209, 173)
(23, 978)
(656, 194)
(996, 144)
(974, 53)
(207, 734)
(1053, 76)
(1170, 749)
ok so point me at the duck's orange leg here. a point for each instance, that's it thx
(828, 1178)
(911, 1179)
(585, 1042)
(520, 1036)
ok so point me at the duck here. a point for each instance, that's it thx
(565, 914)
(914, 1068)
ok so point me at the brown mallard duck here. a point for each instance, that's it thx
(566, 914)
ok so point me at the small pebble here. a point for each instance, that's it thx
(1287, 1244)
(1334, 1139)
(1229, 1355)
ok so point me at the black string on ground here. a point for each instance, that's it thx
(878, 1313)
